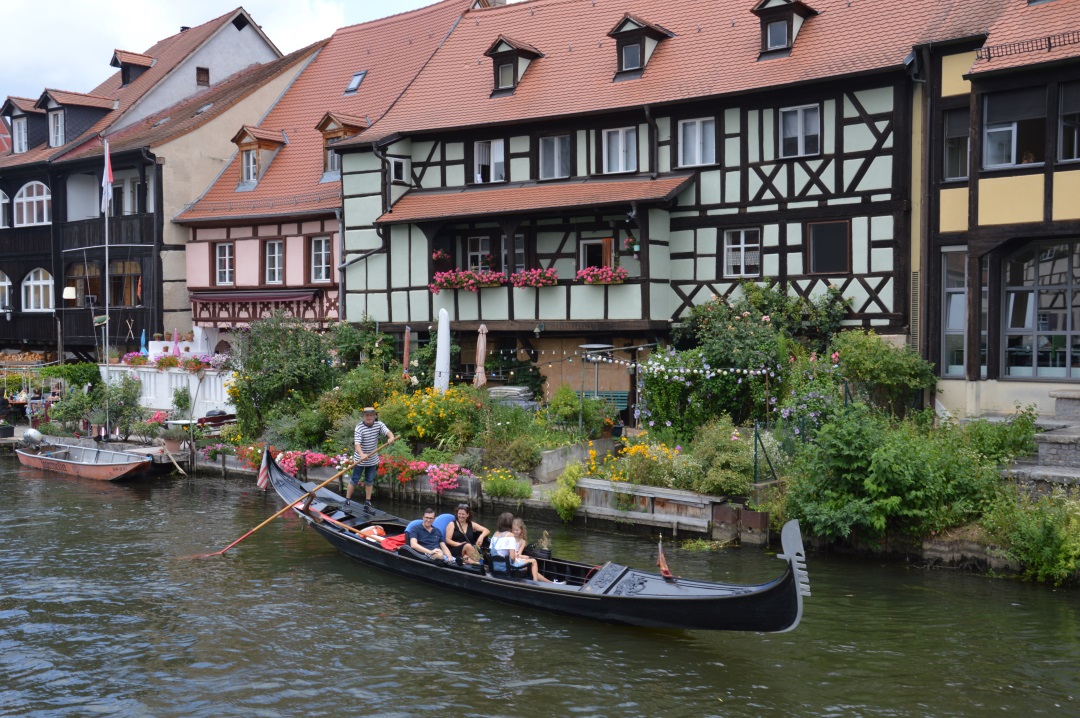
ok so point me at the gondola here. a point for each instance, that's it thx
(608, 592)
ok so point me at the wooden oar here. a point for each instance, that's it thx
(279, 513)
(169, 454)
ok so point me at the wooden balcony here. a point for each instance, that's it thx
(26, 240)
(129, 229)
(79, 327)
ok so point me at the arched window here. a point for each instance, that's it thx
(33, 205)
(37, 291)
(125, 283)
(86, 278)
(5, 291)
(4, 207)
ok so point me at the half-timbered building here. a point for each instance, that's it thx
(654, 155)
(1002, 260)
(265, 235)
(51, 228)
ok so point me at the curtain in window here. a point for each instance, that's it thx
(608, 244)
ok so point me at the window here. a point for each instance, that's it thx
(504, 75)
(630, 57)
(56, 128)
(620, 150)
(776, 35)
(333, 161)
(320, 259)
(354, 83)
(1042, 311)
(399, 170)
(202, 76)
(513, 254)
(225, 265)
(828, 246)
(596, 253)
(249, 160)
(956, 144)
(275, 255)
(86, 278)
(1069, 131)
(478, 254)
(5, 291)
(5, 205)
(800, 131)
(954, 313)
(125, 283)
(742, 253)
(37, 291)
(1015, 128)
(18, 135)
(697, 142)
(554, 157)
(489, 164)
(33, 205)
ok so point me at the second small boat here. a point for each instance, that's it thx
(85, 462)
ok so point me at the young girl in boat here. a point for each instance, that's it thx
(464, 536)
(505, 543)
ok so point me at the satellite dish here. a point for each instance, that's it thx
(33, 436)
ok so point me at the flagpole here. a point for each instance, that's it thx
(106, 199)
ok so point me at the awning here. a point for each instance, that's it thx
(253, 296)
(526, 197)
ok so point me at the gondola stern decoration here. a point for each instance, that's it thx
(791, 541)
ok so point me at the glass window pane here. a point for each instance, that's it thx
(956, 157)
(611, 144)
(954, 354)
(1054, 265)
(1050, 358)
(1020, 271)
(1018, 310)
(563, 170)
(1074, 356)
(999, 139)
(688, 144)
(1053, 312)
(777, 32)
(1075, 313)
(708, 141)
(1018, 355)
(630, 138)
(547, 157)
(955, 311)
(954, 270)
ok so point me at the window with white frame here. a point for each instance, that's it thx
(478, 254)
(32, 205)
(956, 144)
(829, 247)
(1014, 131)
(630, 57)
(554, 157)
(489, 163)
(125, 283)
(333, 161)
(354, 83)
(5, 207)
(56, 128)
(275, 258)
(513, 254)
(399, 170)
(596, 253)
(1069, 126)
(800, 131)
(742, 253)
(776, 35)
(697, 142)
(18, 135)
(226, 265)
(37, 291)
(320, 259)
(250, 166)
(505, 76)
(620, 150)
(954, 313)
(5, 291)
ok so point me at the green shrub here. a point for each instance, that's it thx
(889, 377)
(120, 400)
(502, 483)
(50, 428)
(306, 428)
(1041, 533)
(432, 455)
(566, 408)
(726, 455)
(521, 454)
(1003, 441)
(365, 385)
(564, 499)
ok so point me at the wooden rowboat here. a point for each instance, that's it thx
(84, 462)
(605, 592)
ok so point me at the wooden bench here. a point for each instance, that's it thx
(619, 399)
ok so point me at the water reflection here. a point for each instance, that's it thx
(97, 616)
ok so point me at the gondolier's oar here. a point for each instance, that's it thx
(169, 454)
(279, 513)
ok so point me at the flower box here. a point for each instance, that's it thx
(466, 279)
(535, 278)
(603, 275)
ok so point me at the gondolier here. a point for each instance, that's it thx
(365, 460)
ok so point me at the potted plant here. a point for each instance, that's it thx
(157, 336)
(189, 336)
(174, 438)
(168, 336)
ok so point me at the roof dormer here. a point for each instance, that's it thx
(131, 64)
(70, 113)
(510, 58)
(28, 123)
(635, 42)
(780, 24)
(335, 127)
(257, 148)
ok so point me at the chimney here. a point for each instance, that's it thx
(185, 28)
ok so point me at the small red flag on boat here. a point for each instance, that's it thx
(664, 571)
(264, 471)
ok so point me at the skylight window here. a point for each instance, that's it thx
(204, 108)
(354, 84)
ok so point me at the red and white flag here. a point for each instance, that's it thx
(264, 471)
(106, 181)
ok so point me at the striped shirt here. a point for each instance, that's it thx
(368, 438)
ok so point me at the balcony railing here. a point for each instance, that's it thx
(26, 240)
(129, 229)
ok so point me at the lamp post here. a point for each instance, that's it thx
(69, 293)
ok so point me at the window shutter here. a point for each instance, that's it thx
(608, 244)
(1026, 104)
(956, 123)
(1070, 98)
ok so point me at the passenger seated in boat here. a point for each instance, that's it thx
(504, 543)
(464, 536)
(428, 540)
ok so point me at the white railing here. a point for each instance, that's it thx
(158, 385)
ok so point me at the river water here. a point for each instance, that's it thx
(99, 616)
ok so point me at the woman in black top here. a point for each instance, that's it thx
(464, 536)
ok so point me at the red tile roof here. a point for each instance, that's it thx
(131, 58)
(530, 197)
(260, 133)
(1026, 35)
(78, 99)
(714, 52)
(25, 104)
(392, 50)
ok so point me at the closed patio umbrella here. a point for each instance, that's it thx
(405, 354)
(442, 354)
(481, 356)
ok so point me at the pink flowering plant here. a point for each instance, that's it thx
(134, 359)
(444, 477)
(440, 255)
(465, 279)
(535, 278)
(293, 461)
(602, 275)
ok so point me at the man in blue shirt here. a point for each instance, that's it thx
(365, 460)
(426, 539)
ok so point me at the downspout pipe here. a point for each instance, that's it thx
(654, 139)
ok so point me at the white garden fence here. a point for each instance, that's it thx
(207, 393)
